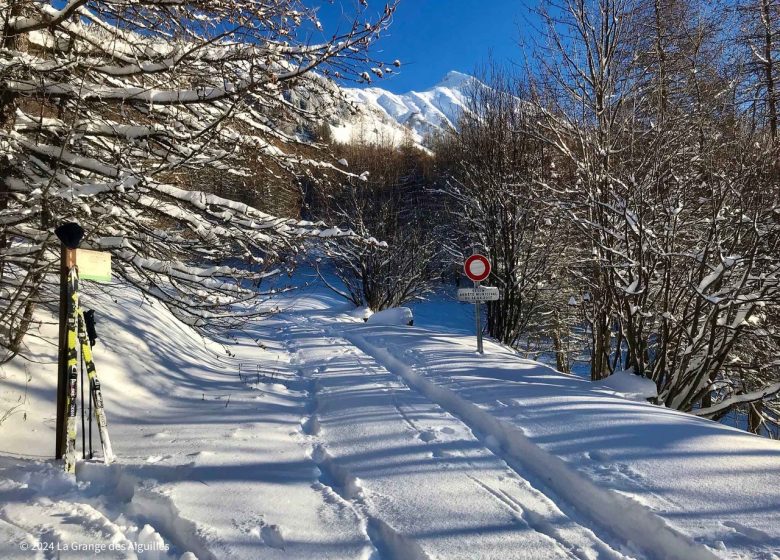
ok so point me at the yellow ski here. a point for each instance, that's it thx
(97, 395)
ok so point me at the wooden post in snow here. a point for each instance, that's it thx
(70, 235)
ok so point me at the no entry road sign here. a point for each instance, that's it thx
(477, 268)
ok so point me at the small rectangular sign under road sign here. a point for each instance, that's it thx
(94, 265)
(478, 295)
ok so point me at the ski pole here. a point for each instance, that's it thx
(91, 453)
(83, 432)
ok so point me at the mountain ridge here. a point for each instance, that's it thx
(381, 116)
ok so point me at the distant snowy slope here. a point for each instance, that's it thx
(437, 109)
(383, 116)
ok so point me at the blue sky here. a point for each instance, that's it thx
(432, 37)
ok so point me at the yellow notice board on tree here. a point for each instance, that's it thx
(94, 265)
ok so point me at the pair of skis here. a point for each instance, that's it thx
(77, 335)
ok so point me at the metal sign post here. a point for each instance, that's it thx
(477, 268)
(478, 315)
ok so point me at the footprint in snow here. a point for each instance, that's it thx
(432, 434)
(442, 454)
(309, 371)
(427, 436)
(311, 426)
(272, 536)
(200, 455)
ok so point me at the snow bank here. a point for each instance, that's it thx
(394, 316)
(629, 385)
(362, 313)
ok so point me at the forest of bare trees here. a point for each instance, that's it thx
(391, 202)
(169, 131)
(624, 183)
(631, 174)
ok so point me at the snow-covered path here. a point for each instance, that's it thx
(421, 482)
(356, 441)
(708, 483)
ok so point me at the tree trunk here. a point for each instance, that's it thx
(561, 359)
(755, 418)
(602, 337)
(769, 78)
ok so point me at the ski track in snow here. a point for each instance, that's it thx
(385, 542)
(603, 511)
(529, 509)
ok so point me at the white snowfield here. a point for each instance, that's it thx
(343, 439)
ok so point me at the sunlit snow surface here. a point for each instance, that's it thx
(342, 439)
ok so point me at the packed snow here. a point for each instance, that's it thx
(316, 434)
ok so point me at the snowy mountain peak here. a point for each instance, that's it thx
(455, 79)
(385, 117)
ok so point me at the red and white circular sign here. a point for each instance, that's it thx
(477, 268)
